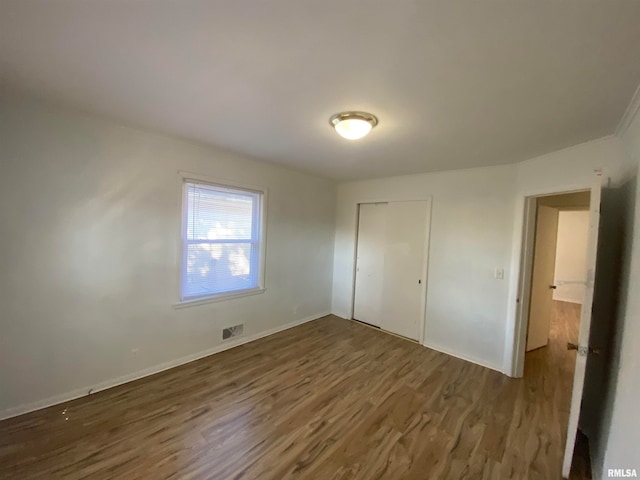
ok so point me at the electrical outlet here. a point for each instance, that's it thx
(498, 273)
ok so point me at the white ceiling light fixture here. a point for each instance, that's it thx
(353, 125)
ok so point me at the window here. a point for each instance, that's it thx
(221, 241)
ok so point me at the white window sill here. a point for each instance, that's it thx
(218, 298)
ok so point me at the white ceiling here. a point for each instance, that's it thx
(455, 83)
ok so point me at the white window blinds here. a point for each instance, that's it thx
(221, 237)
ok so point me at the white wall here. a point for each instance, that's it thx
(476, 226)
(566, 170)
(571, 255)
(88, 267)
(624, 433)
(89, 219)
(471, 224)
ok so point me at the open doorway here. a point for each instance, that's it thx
(558, 277)
(554, 329)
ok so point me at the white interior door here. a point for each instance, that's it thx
(585, 326)
(404, 281)
(544, 261)
(372, 221)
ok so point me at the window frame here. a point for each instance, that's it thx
(262, 192)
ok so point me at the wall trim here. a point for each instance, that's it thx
(447, 351)
(629, 113)
(342, 315)
(114, 382)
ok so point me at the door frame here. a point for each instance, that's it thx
(425, 259)
(520, 292)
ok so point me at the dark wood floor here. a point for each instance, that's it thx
(331, 399)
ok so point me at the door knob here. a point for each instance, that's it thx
(552, 287)
(572, 346)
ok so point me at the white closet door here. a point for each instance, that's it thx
(372, 222)
(404, 284)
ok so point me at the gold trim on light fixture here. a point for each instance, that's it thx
(346, 120)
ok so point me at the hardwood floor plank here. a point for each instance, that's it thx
(330, 399)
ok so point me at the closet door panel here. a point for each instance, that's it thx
(404, 274)
(372, 228)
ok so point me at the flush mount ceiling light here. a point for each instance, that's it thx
(353, 125)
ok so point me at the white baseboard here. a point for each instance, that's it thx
(447, 351)
(114, 382)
